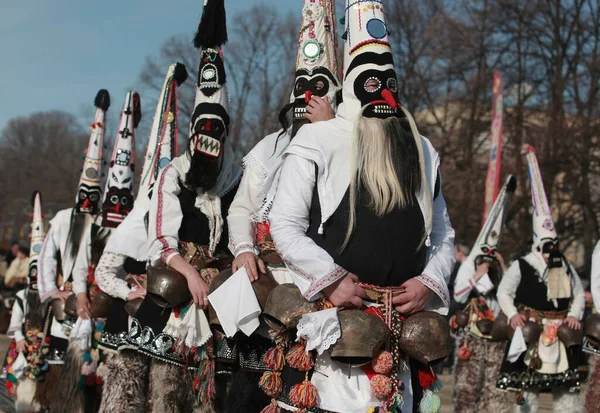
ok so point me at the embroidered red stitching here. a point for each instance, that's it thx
(299, 271)
(461, 292)
(159, 216)
(329, 279)
(434, 286)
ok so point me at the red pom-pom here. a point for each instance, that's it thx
(274, 359)
(298, 359)
(271, 383)
(304, 394)
(381, 386)
(464, 353)
(426, 376)
(271, 408)
(47, 339)
(383, 363)
(12, 345)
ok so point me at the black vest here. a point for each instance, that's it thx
(194, 224)
(384, 251)
(532, 292)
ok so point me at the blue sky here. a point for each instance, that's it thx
(57, 54)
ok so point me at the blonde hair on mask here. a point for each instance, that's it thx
(377, 170)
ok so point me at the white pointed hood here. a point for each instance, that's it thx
(543, 224)
(118, 194)
(89, 192)
(37, 238)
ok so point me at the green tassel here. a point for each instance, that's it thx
(430, 403)
(342, 20)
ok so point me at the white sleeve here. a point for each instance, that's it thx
(47, 265)
(507, 290)
(464, 283)
(242, 232)
(82, 263)
(311, 267)
(17, 318)
(107, 275)
(442, 258)
(595, 277)
(165, 218)
(577, 307)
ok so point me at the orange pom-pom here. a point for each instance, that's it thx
(271, 384)
(274, 359)
(381, 386)
(464, 353)
(271, 408)
(383, 363)
(304, 394)
(298, 359)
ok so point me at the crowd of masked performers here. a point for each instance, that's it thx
(315, 278)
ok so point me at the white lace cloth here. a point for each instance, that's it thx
(320, 329)
(517, 345)
(236, 304)
(193, 329)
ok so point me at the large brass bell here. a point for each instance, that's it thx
(426, 337)
(58, 309)
(592, 329)
(167, 287)
(285, 307)
(71, 306)
(500, 328)
(363, 337)
(485, 326)
(569, 336)
(462, 318)
(101, 304)
(133, 306)
(531, 332)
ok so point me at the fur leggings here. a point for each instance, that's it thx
(592, 397)
(563, 402)
(475, 379)
(134, 383)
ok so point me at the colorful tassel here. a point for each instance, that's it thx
(430, 403)
(274, 359)
(426, 376)
(299, 359)
(304, 394)
(271, 384)
(436, 386)
(272, 407)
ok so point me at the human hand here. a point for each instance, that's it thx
(61, 295)
(318, 109)
(83, 306)
(345, 292)
(135, 294)
(518, 320)
(252, 263)
(21, 346)
(413, 299)
(501, 261)
(482, 269)
(572, 323)
(198, 289)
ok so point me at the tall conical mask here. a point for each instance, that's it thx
(118, 196)
(162, 143)
(89, 192)
(545, 238)
(488, 239)
(316, 60)
(369, 77)
(37, 238)
(210, 121)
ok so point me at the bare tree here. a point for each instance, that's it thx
(259, 60)
(42, 151)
